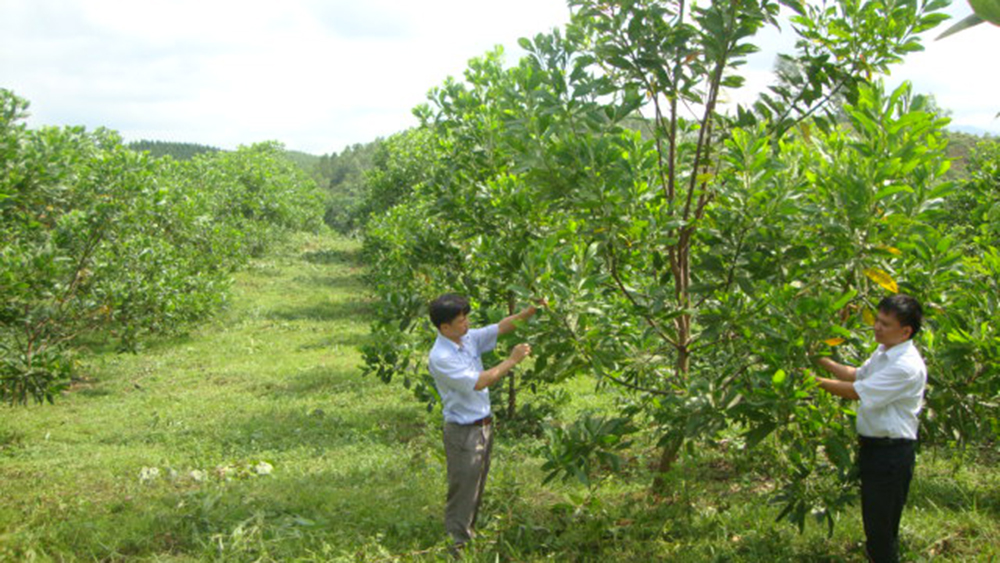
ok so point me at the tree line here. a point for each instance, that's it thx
(175, 150)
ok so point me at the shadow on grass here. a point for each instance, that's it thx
(332, 256)
(337, 284)
(349, 339)
(91, 391)
(946, 493)
(323, 311)
(10, 440)
(319, 429)
(322, 381)
(101, 343)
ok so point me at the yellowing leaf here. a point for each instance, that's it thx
(883, 279)
(891, 250)
(833, 341)
(705, 177)
(868, 316)
(806, 133)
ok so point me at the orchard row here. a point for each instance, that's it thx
(101, 242)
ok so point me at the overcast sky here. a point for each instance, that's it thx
(318, 75)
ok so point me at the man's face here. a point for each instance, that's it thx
(457, 327)
(888, 331)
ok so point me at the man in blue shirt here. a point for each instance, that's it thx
(456, 364)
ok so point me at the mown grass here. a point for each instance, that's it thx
(161, 456)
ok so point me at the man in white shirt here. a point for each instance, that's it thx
(457, 367)
(890, 387)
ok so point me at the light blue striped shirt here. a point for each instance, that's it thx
(456, 370)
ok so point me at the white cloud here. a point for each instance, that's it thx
(961, 72)
(321, 74)
(314, 74)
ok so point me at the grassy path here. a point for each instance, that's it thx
(159, 455)
(256, 438)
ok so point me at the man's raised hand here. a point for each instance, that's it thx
(520, 352)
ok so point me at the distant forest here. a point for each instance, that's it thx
(960, 145)
(342, 175)
(186, 151)
(307, 162)
(177, 151)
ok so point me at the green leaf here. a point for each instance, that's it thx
(756, 435)
(970, 21)
(891, 190)
(779, 377)
(843, 301)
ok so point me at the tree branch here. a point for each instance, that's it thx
(628, 295)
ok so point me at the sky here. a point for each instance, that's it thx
(319, 75)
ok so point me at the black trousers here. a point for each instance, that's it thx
(886, 471)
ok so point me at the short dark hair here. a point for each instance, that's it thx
(906, 309)
(444, 309)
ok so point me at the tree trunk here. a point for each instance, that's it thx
(669, 454)
(682, 367)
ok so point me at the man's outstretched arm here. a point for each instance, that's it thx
(843, 389)
(509, 324)
(840, 371)
(843, 386)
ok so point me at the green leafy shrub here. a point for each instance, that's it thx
(99, 239)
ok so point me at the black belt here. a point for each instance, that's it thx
(485, 421)
(884, 442)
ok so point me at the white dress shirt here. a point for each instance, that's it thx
(891, 386)
(456, 370)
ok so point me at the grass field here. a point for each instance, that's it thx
(256, 438)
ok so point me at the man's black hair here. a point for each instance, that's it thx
(444, 309)
(906, 309)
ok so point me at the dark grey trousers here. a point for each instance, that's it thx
(467, 448)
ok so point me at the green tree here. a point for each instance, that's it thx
(696, 263)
